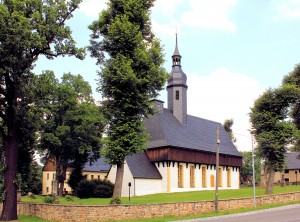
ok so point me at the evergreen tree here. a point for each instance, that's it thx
(131, 75)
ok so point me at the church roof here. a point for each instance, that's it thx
(98, 166)
(292, 162)
(141, 167)
(197, 134)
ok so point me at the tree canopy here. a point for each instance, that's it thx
(29, 28)
(131, 75)
(72, 124)
(273, 129)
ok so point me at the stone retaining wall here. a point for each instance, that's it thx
(78, 213)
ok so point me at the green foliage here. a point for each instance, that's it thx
(246, 171)
(72, 123)
(94, 188)
(228, 123)
(116, 200)
(50, 199)
(29, 29)
(69, 198)
(273, 130)
(31, 195)
(131, 73)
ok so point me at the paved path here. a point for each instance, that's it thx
(289, 213)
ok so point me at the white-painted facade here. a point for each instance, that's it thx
(204, 179)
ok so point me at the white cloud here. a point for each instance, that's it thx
(166, 8)
(287, 9)
(210, 14)
(224, 95)
(92, 8)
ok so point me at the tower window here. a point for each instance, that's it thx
(177, 94)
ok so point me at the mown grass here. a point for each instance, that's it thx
(172, 197)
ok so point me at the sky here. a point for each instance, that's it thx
(232, 50)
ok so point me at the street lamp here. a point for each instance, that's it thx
(253, 171)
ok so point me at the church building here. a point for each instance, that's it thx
(181, 153)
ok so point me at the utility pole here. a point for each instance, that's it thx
(217, 170)
(253, 173)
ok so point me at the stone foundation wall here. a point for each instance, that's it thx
(78, 213)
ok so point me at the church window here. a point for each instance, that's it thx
(92, 177)
(203, 176)
(98, 177)
(228, 177)
(220, 177)
(177, 94)
(192, 176)
(47, 176)
(180, 176)
(212, 180)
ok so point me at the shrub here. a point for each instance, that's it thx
(85, 189)
(69, 198)
(94, 188)
(51, 199)
(116, 200)
(31, 195)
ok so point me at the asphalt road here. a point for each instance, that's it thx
(289, 213)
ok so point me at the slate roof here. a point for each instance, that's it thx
(98, 166)
(141, 167)
(291, 160)
(197, 134)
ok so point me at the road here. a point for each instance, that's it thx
(289, 213)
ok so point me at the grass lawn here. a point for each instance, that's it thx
(172, 197)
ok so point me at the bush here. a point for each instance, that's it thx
(31, 195)
(69, 198)
(116, 200)
(94, 188)
(51, 199)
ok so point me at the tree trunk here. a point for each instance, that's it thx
(119, 180)
(9, 211)
(271, 175)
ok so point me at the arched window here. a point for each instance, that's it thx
(180, 176)
(228, 177)
(192, 176)
(203, 176)
(220, 176)
(212, 180)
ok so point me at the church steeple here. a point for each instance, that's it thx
(177, 88)
(176, 55)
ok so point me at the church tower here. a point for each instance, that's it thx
(177, 88)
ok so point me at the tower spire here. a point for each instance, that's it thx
(177, 88)
(176, 55)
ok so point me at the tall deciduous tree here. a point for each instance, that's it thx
(72, 123)
(131, 75)
(293, 78)
(29, 28)
(272, 128)
(228, 123)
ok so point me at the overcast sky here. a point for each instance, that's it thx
(232, 50)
